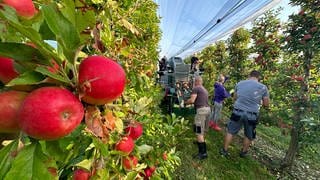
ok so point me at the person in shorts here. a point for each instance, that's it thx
(199, 97)
(249, 95)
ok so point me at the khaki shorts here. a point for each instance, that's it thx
(201, 120)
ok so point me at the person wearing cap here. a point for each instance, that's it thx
(249, 95)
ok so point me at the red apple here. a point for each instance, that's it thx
(53, 171)
(148, 172)
(125, 145)
(81, 174)
(134, 130)
(299, 78)
(54, 68)
(7, 71)
(153, 169)
(307, 37)
(24, 8)
(164, 156)
(302, 42)
(313, 29)
(101, 79)
(130, 162)
(10, 103)
(301, 13)
(50, 113)
(288, 38)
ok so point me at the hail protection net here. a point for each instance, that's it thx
(188, 26)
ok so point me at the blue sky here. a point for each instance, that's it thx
(287, 9)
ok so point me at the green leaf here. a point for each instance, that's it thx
(125, 51)
(107, 34)
(66, 33)
(30, 77)
(7, 12)
(53, 148)
(22, 52)
(86, 164)
(131, 175)
(68, 11)
(144, 149)
(46, 32)
(29, 164)
(13, 21)
(142, 104)
(103, 148)
(84, 20)
(46, 72)
(6, 158)
(103, 174)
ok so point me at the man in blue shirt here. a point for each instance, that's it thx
(249, 95)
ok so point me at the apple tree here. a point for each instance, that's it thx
(266, 37)
(302, 41)
(238, 48)
(214, 59)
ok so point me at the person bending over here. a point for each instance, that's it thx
(249, 95)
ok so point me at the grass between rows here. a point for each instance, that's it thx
(215, 166)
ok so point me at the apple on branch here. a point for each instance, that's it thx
(10, 103)
(101, 80)
(125, 145)
(81, 174)
(134, 130)
(49, 113)
(129, 162)
(7, 71)
(24, 8)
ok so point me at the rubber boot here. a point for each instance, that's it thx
(202, 151)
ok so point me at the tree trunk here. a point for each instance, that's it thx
(292, 150)
(299, 112)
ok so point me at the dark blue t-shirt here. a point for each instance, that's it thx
(220, 93)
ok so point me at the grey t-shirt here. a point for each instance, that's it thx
(249, 95)
(202, 97)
